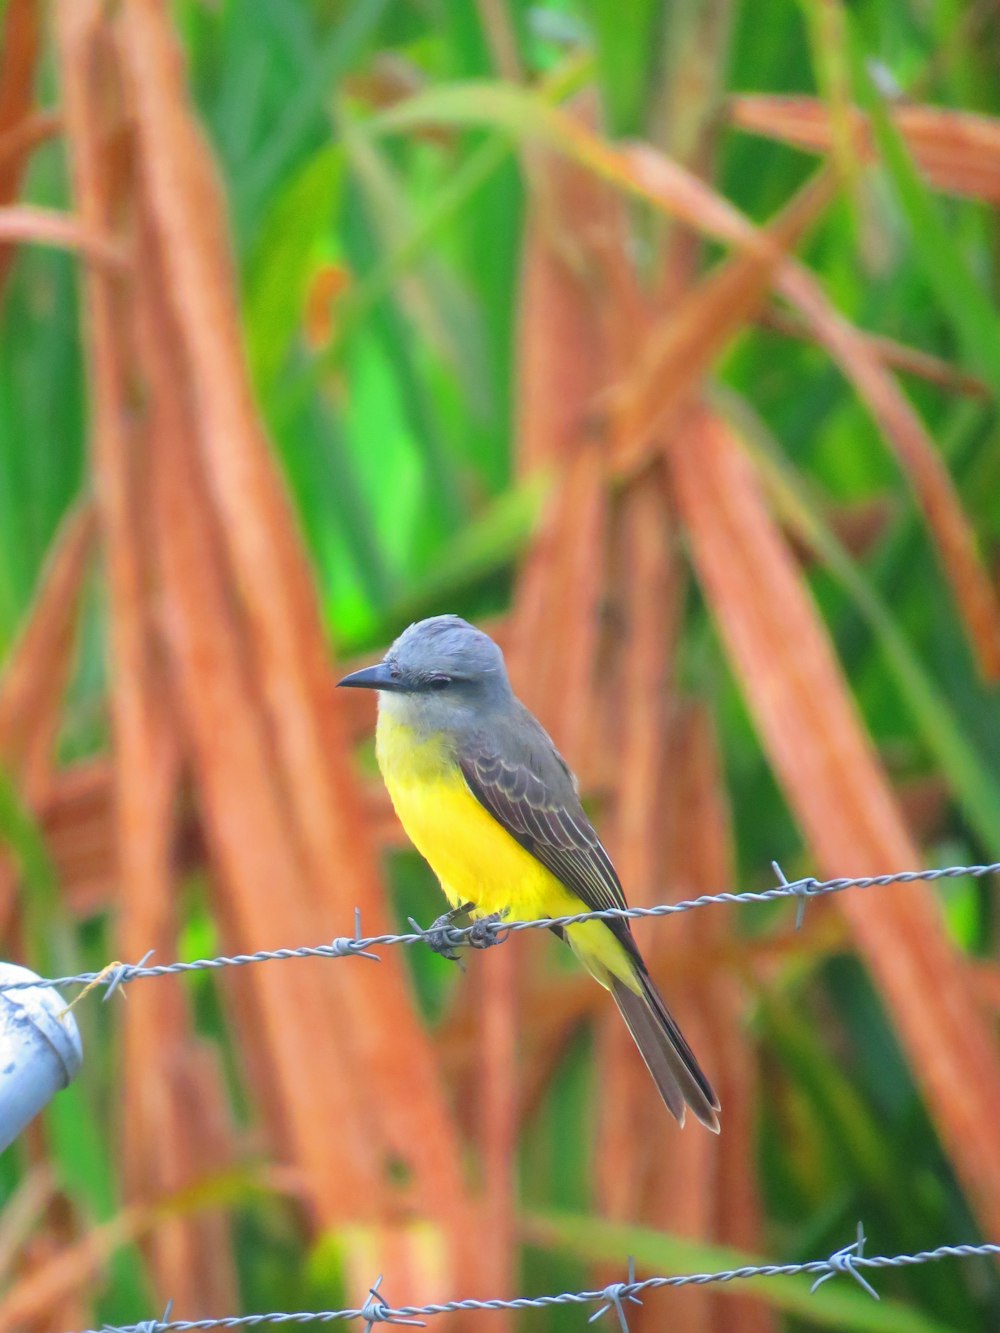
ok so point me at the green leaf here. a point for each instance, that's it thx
(962, 297)
(487, 544)
(626, 58)
(303, 109)
(974, 786)
(478, 102)
(295, 229)
(434, 300)
(411, 241)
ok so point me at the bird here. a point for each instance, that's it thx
(492, 806)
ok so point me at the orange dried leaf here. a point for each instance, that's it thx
(699, 858)
(163, 1149)
(677, 352)
(561, 356)
(893, 355)
(246, 822)
(665, 184)
(77, 819)
(498, 984)
(71, 1268)
(23, 1212)
(327, 285)
(833, 782)
(648, 600)
(958, 152)
(904, 431)
(646, 596)
(20, 47)
(22, 138)
(282, 807)
(38, 666)
(285, 648)
(554, 628)
(46, 226)
(986, 978)
(192, 1257)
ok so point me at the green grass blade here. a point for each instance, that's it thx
(626, 59)
(413, 243)
(293, 232)
(487, 544)
(304, 107)
(435, 301)
(962, 298)
(974, 786)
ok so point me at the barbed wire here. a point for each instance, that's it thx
(494, 930)
(483, 933)
(848, 1261)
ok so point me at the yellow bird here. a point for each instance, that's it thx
(492, 806)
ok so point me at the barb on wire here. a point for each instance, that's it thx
(146, 1325)
(802, 892)
(617, 1293)
(120, 973)
(345, 947)
(376, 1309)
(112, 977)
(843, 1261)
(488, 931)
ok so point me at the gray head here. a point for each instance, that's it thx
(439, 673)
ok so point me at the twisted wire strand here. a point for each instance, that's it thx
(843, 1261)
(376, 1310)
(495, 932)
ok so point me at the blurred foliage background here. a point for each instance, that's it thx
(660, 339)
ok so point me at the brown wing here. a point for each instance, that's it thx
(550, 824)
(535, 800)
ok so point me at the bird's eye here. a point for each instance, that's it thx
(439, 682)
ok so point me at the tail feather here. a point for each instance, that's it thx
(668, 1057)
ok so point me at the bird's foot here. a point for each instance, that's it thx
(486, 931)
(450, 931)
(444, 938)
(445, 935)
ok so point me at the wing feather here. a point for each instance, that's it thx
(550, 825)
(534, 798)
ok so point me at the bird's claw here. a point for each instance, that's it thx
(485, 931)
(443, 937)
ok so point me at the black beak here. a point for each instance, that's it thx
(377, 677)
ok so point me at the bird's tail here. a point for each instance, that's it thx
(661, 1044)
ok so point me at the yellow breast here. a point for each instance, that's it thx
(473, 856)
